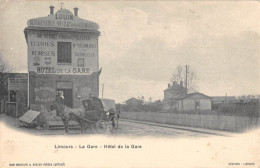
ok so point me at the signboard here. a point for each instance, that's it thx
(62, 19)
(17, 84)
(63, 70)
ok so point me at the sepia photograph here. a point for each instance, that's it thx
(129, 84)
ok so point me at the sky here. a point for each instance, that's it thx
(142, 43)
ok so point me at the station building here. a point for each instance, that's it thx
(62, 58)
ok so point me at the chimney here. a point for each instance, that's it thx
(76, 11)
(169, 85)
(181, 83)
(51, 10)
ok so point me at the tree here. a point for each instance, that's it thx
(141, 99)
(180, 75)
(3, 66)
(150, 100)
(3, 78)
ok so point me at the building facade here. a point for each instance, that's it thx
(13, 93)
(133, 104)
(62, 58)
(171, 94)
(194, 101)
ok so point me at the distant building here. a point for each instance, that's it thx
(133, 104)
(194, 101)
(132, 101)
(223, 99)
(248, 98)
(171, 94)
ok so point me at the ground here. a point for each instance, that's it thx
(126, 128)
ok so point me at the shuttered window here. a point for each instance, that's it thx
(64, 52)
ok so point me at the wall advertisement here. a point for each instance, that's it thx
(44, 58)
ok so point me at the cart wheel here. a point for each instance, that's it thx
(114, 124)
(99, 127)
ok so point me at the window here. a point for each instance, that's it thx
(80, 62)
(64, 52)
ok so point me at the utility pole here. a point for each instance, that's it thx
(186, 79)
(102, 90)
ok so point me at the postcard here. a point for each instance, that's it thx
(129, 84)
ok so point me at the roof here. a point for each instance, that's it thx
(132, 99)
(175, 87)
(223, 98)
(192, 94)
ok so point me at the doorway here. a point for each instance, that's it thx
(65, 88)
(197, 105)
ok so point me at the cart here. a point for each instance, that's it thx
(100, 114)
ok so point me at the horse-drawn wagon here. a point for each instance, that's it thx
(95, 114)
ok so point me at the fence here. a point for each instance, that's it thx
(225, 123)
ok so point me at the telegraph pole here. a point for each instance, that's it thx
(186, 79)
(102, 90)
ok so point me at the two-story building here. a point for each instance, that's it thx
(171, 94)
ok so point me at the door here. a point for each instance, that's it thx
(197, 105)
(67, 94)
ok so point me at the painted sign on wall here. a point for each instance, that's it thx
(44, 94)
(56, 53)
(63, 18)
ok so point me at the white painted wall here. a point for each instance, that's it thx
(205, 104)
(188, 104)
